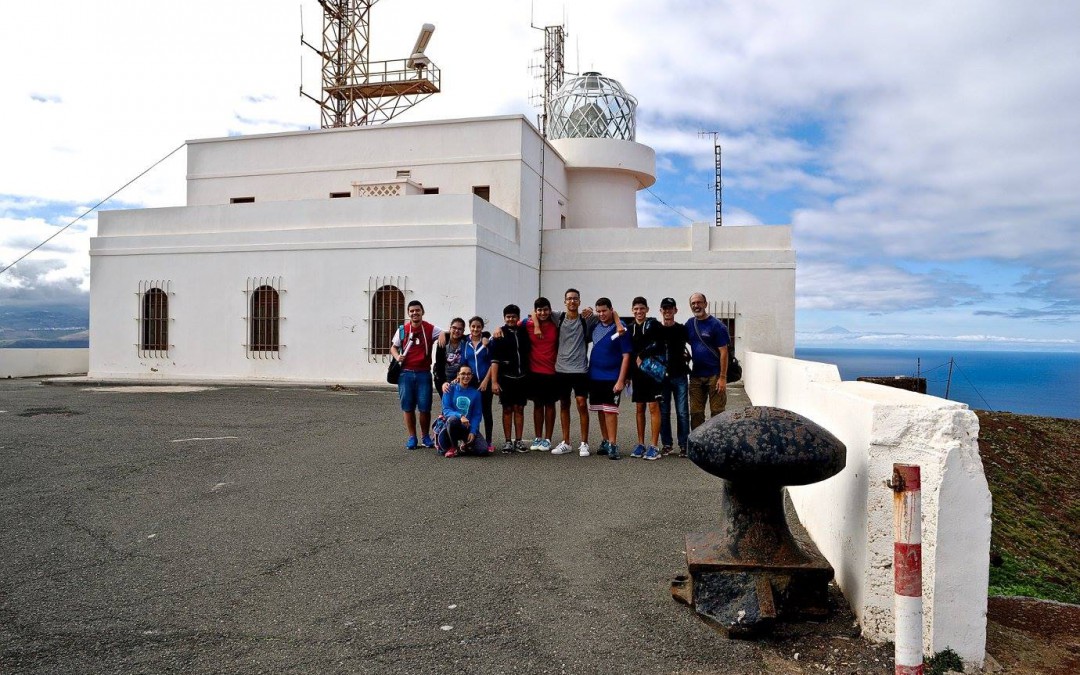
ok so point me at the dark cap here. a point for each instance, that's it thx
(667, 303)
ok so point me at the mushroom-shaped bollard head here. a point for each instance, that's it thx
(767, 446)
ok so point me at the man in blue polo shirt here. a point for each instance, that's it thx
(709, 341)
(608, 366)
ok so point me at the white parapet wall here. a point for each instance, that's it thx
(36, 362)
(850, 516)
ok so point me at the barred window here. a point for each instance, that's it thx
(726, 311)
(264, 317)
(153, 319)
(387, 313)
(387, 295)
(264, 320)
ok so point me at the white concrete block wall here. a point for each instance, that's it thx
(37, 362)
(849, 516)
(753, 267)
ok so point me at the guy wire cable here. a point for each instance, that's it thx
(93, 208)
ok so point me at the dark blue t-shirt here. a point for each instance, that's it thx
(605, 362)
(714, 334)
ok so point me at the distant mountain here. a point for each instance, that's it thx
(44, 326)
(837, 330)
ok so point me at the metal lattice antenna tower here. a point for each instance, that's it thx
(355, 90)
(718, 186)
(554, 69)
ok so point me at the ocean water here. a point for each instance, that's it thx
(1030, 383)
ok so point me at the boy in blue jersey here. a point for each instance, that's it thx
(608, 366)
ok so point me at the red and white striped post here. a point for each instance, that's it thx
(907, 568)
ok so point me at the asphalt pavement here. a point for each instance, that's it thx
(286, 529)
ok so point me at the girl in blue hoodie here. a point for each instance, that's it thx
(462, 410)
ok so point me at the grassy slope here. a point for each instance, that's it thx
(1032, 464)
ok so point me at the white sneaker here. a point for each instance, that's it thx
(561, 449)
(583, 449)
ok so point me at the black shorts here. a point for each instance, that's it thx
(644, 388)
(514, 391)
(602, 396)
(571, 385)
(543, 388)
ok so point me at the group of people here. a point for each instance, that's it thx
(585, 355)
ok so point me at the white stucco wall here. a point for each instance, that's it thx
(603, 175)
(326, 251)
(850, 515)
(36, 362)
(754, 267)
(451, 155)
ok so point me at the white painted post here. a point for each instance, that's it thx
(907, 568)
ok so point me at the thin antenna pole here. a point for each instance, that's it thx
(948, 382)
(718, 188)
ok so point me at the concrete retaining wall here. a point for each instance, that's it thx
(35, 362)
(849, 516)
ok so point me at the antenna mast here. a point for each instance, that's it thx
(718, 186)
(355, 90)
(554, 69)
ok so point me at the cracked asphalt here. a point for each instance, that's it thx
(286, 530)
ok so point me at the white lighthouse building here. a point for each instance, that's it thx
(297, 252)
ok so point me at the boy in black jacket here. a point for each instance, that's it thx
(509, 366)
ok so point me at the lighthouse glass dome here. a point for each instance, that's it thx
(591, 106)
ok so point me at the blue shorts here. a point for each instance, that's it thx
(414, 390)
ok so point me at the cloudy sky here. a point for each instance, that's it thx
(927, 153)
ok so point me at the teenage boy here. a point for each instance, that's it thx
(509, 367)
(544, 345)
(608, 366)
(572, 368)
(670, 346)
(412, 345)
(645, 391)
(709, 340)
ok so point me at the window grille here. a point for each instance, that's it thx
(379, 190)
(153, 319)
(399, 187)
(264, 317)
(727, 312)
(387, 313)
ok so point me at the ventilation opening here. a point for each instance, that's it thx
(483, 192)
(241, 200)
(340, 195)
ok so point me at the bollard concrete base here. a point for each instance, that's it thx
(745, 599)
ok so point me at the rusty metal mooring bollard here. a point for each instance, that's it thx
(750, 571)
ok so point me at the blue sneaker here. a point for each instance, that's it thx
(427, 442)
(652, 453)
(639, 451)
(613, 452)
(604, 448)
(411, 443)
